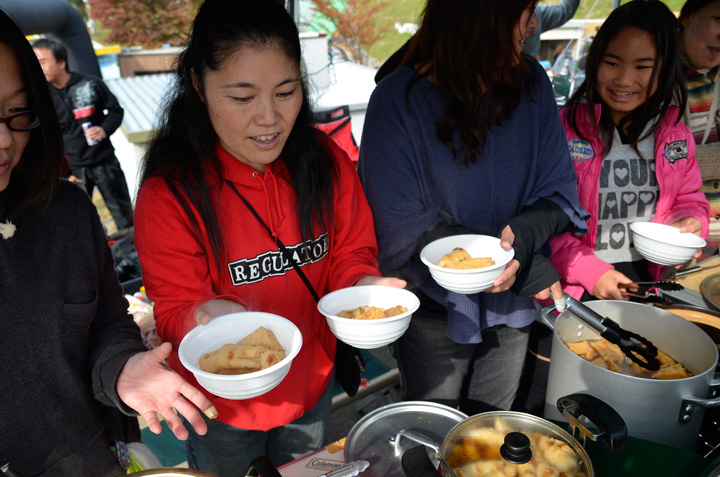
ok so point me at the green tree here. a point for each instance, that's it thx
(147, 23)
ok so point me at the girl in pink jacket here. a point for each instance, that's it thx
(635, 161)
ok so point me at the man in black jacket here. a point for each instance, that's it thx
(81, 102)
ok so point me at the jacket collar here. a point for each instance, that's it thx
(243, 174)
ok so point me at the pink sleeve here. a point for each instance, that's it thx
(576, 262)
(689, 201)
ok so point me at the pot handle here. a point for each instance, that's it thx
(612, 426)
(417, 437)
(548, 319)
(689, 404)
(416, 463)
(262, 466)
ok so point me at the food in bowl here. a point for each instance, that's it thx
(609, 356)
(259, 350)
(466, 280)
(460, 259)
(477, 454)
(368, 334)
(372, 312)
(232, 328)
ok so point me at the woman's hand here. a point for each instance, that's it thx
(506, 279)
(689, 225)
(606, 288)
(555, 292)
(387, 281)
(151, 388)
(213, 308)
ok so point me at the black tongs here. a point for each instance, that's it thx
(637, 348)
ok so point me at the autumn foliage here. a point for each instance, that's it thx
(356, 22)
(147, 23)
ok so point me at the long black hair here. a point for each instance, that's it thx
(659, 22)
(184, 143)
(459, 42)
(692, 6)
(35, 178)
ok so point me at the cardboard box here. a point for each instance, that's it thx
(318, 463)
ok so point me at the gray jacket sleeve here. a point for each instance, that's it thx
(553, 16)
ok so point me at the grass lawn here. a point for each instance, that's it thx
(395, 11)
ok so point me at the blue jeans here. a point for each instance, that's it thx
(471, 377)
(226, 451)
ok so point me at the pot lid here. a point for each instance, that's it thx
(374, 438)
(515, 440)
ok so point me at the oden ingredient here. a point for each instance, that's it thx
(459, 258)
(478, 454)
(371, 312)
(609, 356)
(258, 350)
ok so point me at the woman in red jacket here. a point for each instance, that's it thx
(239, 124)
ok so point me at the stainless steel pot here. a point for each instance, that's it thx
(666, 411)
(515, 443)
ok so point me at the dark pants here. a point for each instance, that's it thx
(110, 181)
(472, 377)
(227, 451)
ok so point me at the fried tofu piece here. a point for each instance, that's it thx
(600, 362)
(676, 371)
(636, 367)
(613, 366)
(583, 349)
(394, 311)
(363, 313)
(239, 357)
(664, 359)
(371, 312)
(469, 263)
(607, 350)
(457, 255)
(557, 454)
(262, 337)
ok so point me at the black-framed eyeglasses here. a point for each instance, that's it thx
(24, 121)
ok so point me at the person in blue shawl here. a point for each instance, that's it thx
(465, 137)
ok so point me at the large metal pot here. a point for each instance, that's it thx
(515, 443)
(666, 411)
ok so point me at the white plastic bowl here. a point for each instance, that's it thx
(231, 329)
(368, 334)
(466, 281)
(664, 244)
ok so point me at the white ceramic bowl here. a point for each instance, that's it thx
(663, 244)
(231, 329)
(368, 334)
(466, 281)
